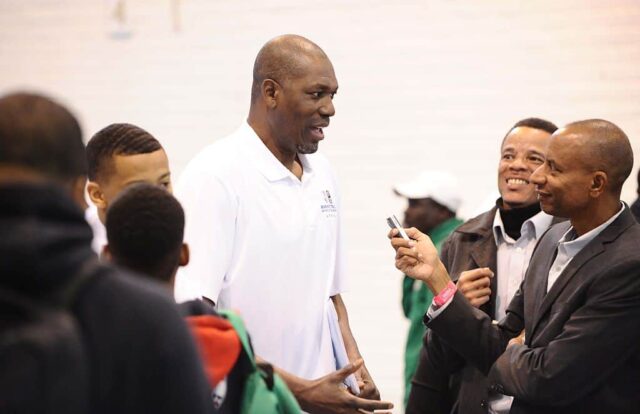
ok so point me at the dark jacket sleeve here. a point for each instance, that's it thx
(174, 371)
(471, 333)
(430, 391)
(597, 338)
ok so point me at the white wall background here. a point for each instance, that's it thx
(423, 84)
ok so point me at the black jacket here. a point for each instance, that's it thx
(582, 337)
(141, 355)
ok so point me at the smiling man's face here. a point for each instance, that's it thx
(522, 152)
(305, 107)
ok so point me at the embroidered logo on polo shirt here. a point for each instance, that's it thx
(328, 207)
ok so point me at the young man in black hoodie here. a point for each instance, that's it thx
(139, 354)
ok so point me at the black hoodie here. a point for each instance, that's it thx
(142, 357)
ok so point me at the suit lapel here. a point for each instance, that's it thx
(538, 272)
(587, 254)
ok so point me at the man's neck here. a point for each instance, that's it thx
(289, 159)
(590, 218)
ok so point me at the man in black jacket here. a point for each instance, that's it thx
(487, 256)
(140, 355)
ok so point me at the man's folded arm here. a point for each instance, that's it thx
(596, 339)
(472, 334)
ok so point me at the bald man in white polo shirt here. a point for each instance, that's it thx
(263, 223)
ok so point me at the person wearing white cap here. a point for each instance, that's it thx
(433, 199)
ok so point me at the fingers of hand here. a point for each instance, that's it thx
(477, 302)
(368, 405)
(369, 391)
(406, 251)
(474, 274)
(465, 286)
(406, 264)
(398, 242)
(347, 370)
(416, 234)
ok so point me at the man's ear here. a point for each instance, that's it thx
(598, 183)
(184, 255)
(96, 195)
(271, 92)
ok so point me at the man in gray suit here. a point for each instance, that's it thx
(569, 339)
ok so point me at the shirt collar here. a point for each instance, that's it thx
(266, 162)
(535, 226)
(572, 245)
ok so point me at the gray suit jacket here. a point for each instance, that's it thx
(582, 337)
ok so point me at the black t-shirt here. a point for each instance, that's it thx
(143, 358)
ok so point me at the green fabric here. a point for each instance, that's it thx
(416, 299)
(257, 397)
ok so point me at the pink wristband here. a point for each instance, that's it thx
(445, 294)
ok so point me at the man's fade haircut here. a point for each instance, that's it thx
(535, 123)
(145, 228)
(41, 134)
(281, 59)
(117, 139)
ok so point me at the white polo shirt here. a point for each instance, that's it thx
(266, 244)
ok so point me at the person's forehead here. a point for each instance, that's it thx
(526, 138)
(566, 146)
(319, 71)
(155, 161)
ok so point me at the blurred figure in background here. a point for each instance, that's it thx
(117, 156)
(433, 199)
(85, 337)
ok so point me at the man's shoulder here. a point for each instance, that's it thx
(221, 155)
(623, 235)
(479, 225)
(140, 302)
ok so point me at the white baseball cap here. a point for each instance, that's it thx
(440, 186)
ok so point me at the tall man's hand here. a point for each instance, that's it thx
(475, 285)
(418, 259)
(328, 395)
(368, 389)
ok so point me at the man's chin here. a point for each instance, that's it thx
(518, 203)
(308, 148)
